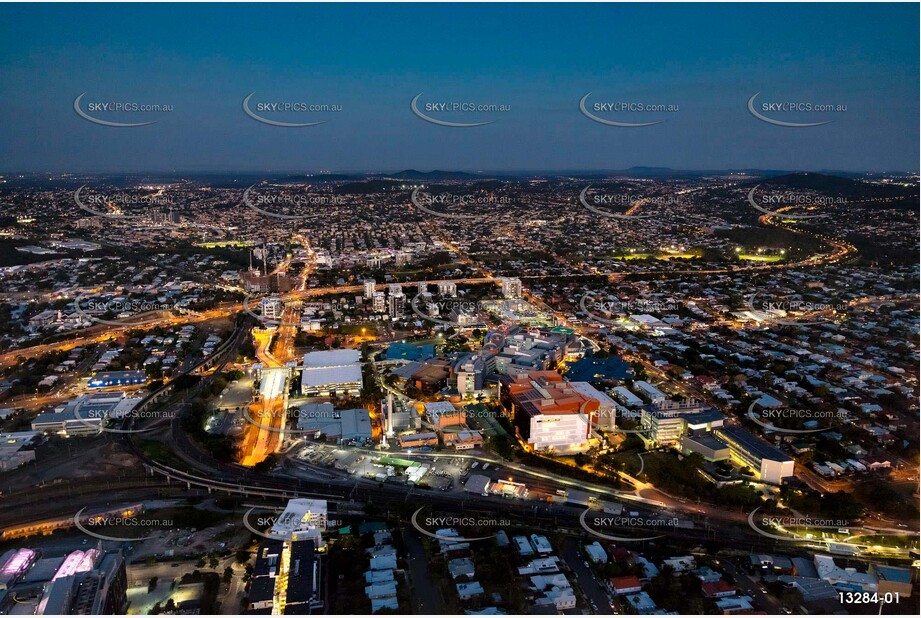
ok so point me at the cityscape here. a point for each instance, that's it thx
(253, 360)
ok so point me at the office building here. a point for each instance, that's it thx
(272, 308)
(549, 414)
(667, 422)
(768, 463)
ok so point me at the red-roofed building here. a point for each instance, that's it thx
(718, 589)
(548, 412)
(619, 554)
(626, 585)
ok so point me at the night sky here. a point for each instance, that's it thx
(539, 60)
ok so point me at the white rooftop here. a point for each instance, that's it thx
(331, 358)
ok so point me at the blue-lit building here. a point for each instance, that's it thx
(117, 378)
(409, 352)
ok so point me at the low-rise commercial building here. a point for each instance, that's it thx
(767, 462)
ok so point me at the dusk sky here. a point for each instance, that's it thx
(539, 60)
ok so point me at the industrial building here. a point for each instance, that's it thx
(17, 449)
(322, 419)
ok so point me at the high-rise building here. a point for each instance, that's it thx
(396, 305)
(370, 286)
(447, 288)
(380, 302)
(511, 287)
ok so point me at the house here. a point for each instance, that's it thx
(626, 584)
(718, 589)
(596, 553)
(469, 590)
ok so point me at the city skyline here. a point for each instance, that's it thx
(460, 309)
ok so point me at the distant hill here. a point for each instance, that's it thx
(839, 186)
(433, 175)
(323, 177)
